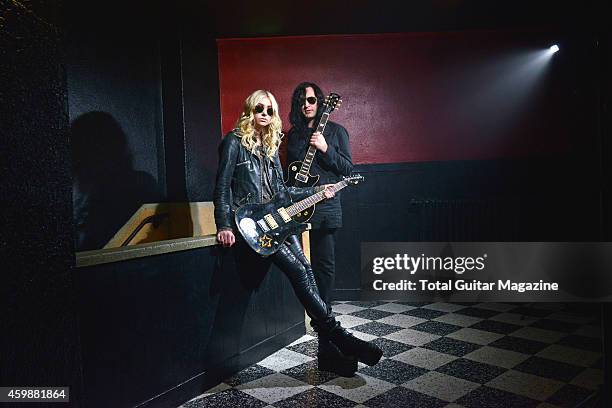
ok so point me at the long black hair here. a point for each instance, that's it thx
(296, 117)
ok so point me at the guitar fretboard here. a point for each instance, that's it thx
(311, 149)
(313, 199)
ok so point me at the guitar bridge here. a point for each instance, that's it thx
(271, 221)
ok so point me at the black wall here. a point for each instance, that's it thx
(185, 320)
(39, 340)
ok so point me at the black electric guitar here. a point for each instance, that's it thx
(298, 172)
(265, 227)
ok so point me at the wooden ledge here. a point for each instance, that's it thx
(102, 256)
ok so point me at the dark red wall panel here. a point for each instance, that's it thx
(413, 97)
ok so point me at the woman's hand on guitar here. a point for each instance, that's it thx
(328, 191)
(226, 237)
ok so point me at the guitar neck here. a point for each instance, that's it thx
(311, 149)
(313, 199)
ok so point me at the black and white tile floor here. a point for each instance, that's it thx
(436, 355)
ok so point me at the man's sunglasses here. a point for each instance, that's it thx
(311, 100)
(260, 108)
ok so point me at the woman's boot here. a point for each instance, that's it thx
(329, 358)
(350, 345)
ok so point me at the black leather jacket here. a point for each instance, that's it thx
(240, 180)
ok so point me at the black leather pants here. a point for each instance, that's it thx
(291, 260)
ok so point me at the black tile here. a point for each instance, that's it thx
(477, 312)
(248, 374)
(485, 397)
(555, 325)
(371, 314)
(451, 346)
(227, 398)
(519, 345)
(569, 396)
(533, 312)
(393, 371)
(400, 397)
(314, 397)
(309, 373)
(366, 303)
(582, 342)
(439, 328)
(308, 348)
(495, 327)
(424, 313)
(415, 304)
(471, 370)
(549, 368)
(389, 347)
(376, 328)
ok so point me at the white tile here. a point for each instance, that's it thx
(589, 331)
(527, 385)
(361, 335)
(496, 307)
(284, 359)
(274, 388)
(533, 333)
(359, 388)
(303, 339)
(412, 337)
(444, 307)
(394, 308)
(424, 358)
(401, 320)
(515, 318)
(569, 355)
(497, 357)
(345, 308)
(458, 319)
(351, 321)
(590, 378)
(442, 386)
(475, 336)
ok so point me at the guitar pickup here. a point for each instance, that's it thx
(283, 213)
(301, 177)
(263, 225)
(271, 221)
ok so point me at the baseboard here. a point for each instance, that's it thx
(209, 378)
(346, 294)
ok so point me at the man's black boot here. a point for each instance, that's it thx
(350, 345)
(330, 358)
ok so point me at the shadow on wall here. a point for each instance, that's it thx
(107, 190)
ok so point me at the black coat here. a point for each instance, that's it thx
(240, 180)
(330, 166)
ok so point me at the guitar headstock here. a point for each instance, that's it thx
(332, 102)
(354, 179)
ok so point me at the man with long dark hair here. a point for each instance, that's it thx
(331, 161)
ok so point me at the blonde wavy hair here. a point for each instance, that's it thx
(245, 126)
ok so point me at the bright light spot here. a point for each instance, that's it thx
(554, 48)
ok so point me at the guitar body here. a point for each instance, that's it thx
(294, 179)
(263, 227)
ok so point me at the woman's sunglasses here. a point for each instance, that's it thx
(311, 100)
(260, 108)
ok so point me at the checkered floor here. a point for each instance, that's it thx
(436, 355)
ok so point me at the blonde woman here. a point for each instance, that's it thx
(250, 172)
